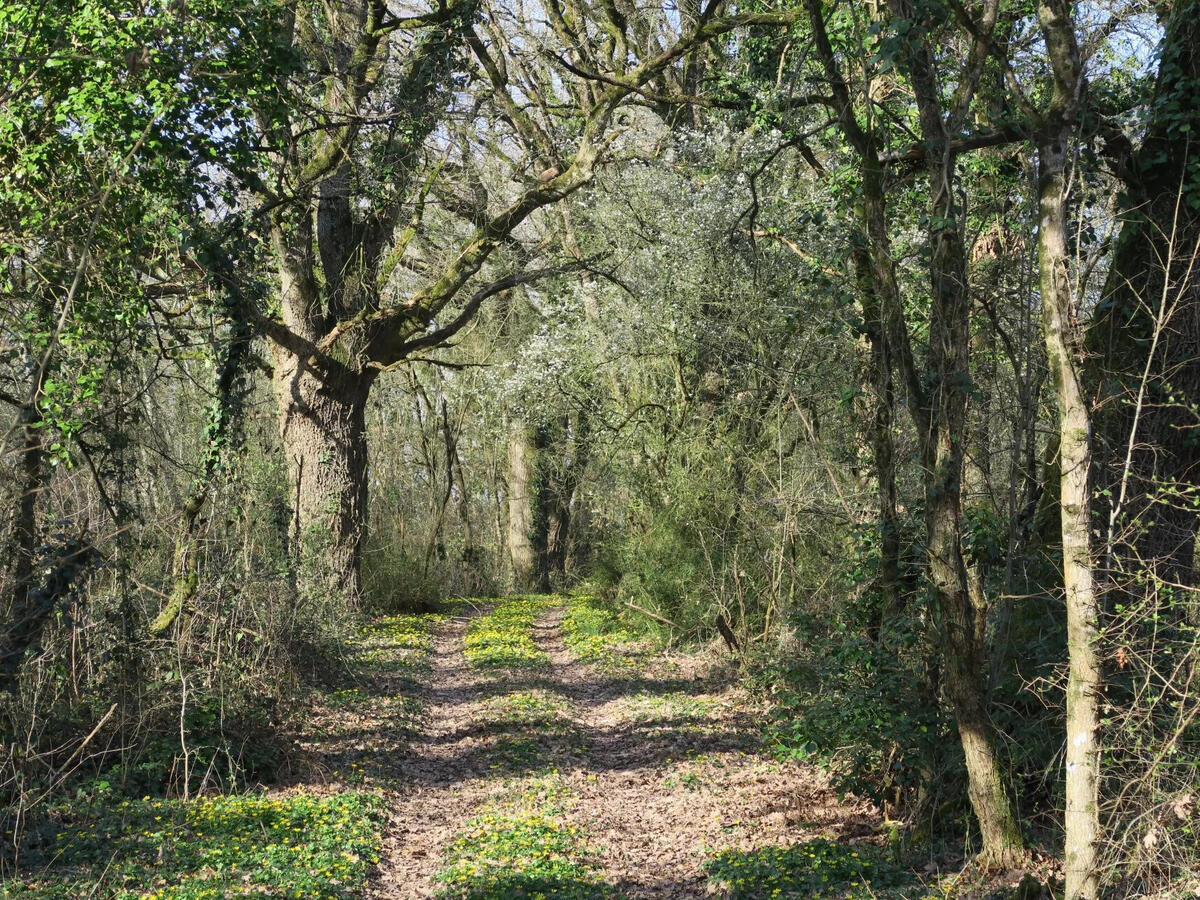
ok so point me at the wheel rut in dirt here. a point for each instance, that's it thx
(657, 762)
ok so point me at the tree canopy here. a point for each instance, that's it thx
(861, 338)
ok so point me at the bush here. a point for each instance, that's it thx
(862, 710)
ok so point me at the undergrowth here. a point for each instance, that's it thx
(503, 639)
(523, 848)
(295, 845)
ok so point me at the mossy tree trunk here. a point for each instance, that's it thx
(523, 537)
(937, 395)
(322, 424)
(1056, 144)
(544, 467)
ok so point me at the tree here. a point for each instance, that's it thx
(1058, 137)
(937, 389)
(109, 118)
(345, 191)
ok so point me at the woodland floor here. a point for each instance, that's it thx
(619, 776)
(528, 748)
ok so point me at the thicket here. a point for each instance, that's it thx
(742, 317)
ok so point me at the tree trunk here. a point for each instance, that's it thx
(25, 616)
(941, 435)
(23, 538)
(322, 424)
(1002, 843)
(556, 511)
(938, 409)
(1074, 435)
(456, 479)
(558, 483)
(522, 508)
(224, 420)
(540, 492)
(881, 389)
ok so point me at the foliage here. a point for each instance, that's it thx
(820, 869)
(393, 581)
(503, 638)
(525, 709)
(290, 845)
(862, 711)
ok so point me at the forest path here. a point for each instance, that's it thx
(616, 777)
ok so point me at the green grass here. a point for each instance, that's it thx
(815, 870)
(523, 849)
(503, 638)
(295, 845)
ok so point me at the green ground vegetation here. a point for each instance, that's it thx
(286, 845)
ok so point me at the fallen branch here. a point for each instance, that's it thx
(655, 616)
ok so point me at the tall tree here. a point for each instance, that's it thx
(351, 166)
(1057, 140)
(938, 390)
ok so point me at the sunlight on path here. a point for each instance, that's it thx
(558, 757)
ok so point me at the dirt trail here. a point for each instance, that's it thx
(659, 763)
(441, 782)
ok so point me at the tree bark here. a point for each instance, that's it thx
(224, 421)
(322, 424)
(522, 508)
(1059, 311)
(34, 474)
(559, 476)
(940, 431)
(881, 389)
(540, 495)
(942, 459)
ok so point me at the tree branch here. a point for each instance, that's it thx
(441, 335)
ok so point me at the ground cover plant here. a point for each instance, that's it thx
(396, 646)
(672, 705)
(598, 635)
(503, 639)
(356, 728)
(296, 844)
(818, 869)
(536, 709)
(525, 727)
(285, 845)
(521, 848)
